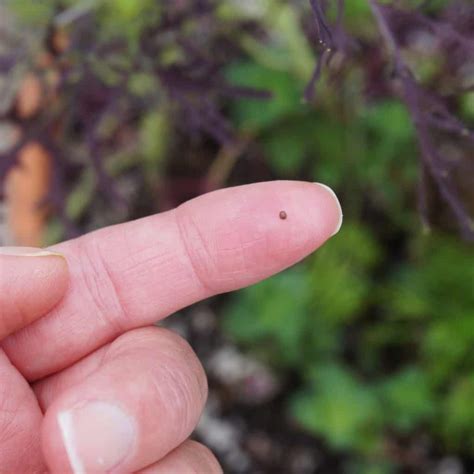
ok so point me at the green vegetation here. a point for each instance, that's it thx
(377, 326)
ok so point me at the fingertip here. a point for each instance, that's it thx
(238, 236)
(335, 213)
(32, 282)
(57, 269)
(23, 252)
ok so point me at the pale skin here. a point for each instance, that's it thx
(87, 382)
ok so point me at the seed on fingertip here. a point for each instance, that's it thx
(283, 215)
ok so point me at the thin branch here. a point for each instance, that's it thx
(412, 95)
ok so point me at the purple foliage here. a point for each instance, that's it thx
(197, 88)
(429, 110)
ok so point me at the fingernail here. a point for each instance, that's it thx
(341, 217)
(97, 436)
(27, 252)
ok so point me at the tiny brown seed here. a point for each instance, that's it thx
(283, 215)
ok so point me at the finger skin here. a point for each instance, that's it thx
(133, 274)
(189, 458)
(20, 423)
(30, 286)
(150, 374)
(50, 388)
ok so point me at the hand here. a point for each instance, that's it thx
(92, 386)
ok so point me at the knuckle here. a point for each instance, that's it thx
(196, 248)
(99, 287)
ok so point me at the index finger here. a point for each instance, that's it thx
(134, 274)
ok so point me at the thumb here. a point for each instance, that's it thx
(32, 281)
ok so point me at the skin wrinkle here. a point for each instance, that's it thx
(145, 256)
(110, 310)
(171, 261)
(137, 264)
(186, 240)
(184, 352)
(209, 258)
(233, 222)
(172, 382)
(183, 385)
(230, 243)
(124, 314)
(240, 251)
(245, 224)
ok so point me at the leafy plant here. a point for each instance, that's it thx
(140, 56)
(351, 402)
(341, 409)
(377, 328)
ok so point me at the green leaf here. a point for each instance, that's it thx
(289, 49)
(36, 14)
(457, 417)
(369, 466)
(258, 114)
(81, 197)
(154, 139)
(264, 316)
(340, 409)
(287, 145)
(407, 399)
(142, 84)
(438, 284)
(344, 262)
(467, 106)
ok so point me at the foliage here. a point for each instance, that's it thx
(123, 59)
(380, 322)
(377, 328)
(340, 408)
(114, 70)
(327, 333)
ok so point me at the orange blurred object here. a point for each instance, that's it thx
(29, 97)
(27, 186)
(28, 183)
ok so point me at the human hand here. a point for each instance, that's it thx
(92, 386)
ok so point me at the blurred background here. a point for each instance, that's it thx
(361, 358)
